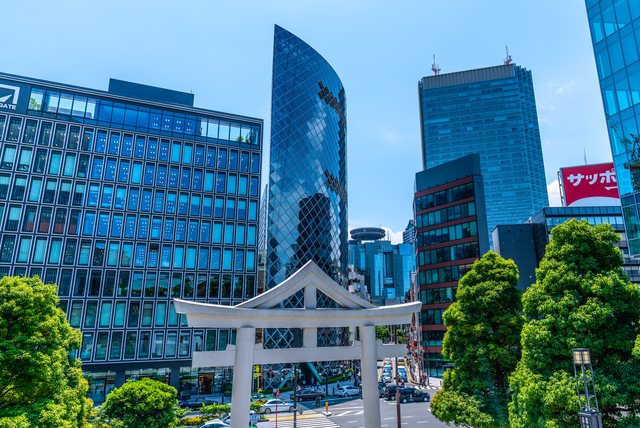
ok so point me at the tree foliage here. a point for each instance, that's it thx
(146, 403)
(40, 383)
(482, 340)
(382, 333)
(581, 299)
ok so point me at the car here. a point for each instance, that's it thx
(193, 403)
(308, 394)
(214, 423)
(253, 418)
(261, 397)
(381, 389)
(413, 394)
(282, 406)
(345, 391)
(209, 401)
(390, 392)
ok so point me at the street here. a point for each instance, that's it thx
(349, 412)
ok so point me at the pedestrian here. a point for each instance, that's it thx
(304, 383)
(338, 384)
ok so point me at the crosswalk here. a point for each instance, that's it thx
(320, 422)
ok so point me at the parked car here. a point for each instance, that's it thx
(381, 386)
(261, 397)
(390, 392)
(345, 391)
(253, 418)
(308, 394)
(214, 423)
(283, 406)
(412, 394)
(193, 403)
(209, 401)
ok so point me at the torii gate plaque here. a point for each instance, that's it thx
(261, 312)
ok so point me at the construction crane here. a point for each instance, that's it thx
(508, 59)
(435, 67)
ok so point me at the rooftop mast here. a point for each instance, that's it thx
(508, 59)
(435, 67)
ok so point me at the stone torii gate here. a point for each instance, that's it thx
(263, 312)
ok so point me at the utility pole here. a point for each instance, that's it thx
(295, 391)
(398, 416)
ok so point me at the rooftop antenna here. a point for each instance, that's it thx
(508, 59)
(435, 67)
(585, 155)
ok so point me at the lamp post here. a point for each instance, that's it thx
(589, 416)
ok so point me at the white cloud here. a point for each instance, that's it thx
(553, 189)
(395, 237)
(561, 89)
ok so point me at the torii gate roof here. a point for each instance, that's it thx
(263, 312)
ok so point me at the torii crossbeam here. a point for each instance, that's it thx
(263, 312)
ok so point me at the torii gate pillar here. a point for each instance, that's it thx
(369, 372)
(243, 376)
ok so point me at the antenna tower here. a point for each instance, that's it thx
(435, 67)
(508, 59)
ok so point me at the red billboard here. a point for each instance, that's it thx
(590, 185)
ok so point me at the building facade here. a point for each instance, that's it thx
(409, 234)
(126, 199)
(615, 33)
(386, 267)
(307, 200)
(526, 243)
(451, 233)
(307, 214)
(490, 111)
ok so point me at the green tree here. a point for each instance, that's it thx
(382, 333)
(483, 341)
(581, 299)
(399, 336)
(142, 404)
(40, 383)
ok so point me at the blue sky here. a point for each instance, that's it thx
(380, 49)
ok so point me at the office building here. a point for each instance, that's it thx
(386, 267)
(492, 112)
(307, 215)
(451, 233)
(307, 202)
(409, 234)
(615, 33)
(126, 199)
(526, 244)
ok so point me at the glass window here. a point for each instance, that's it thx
(184, 344)
(90, 316)
(255, 163)
(217, 233)
(45, 134)
(175, 152)
(107, 196)
(112, 256)
(121, 194)
(101, 346)
(134, 314)
(136, 173)
(130, 346)
(87, 346)
(24, 250)
(29, 136)
(178, 257)
(25, 159)
(244, 161)
(171, 203)
(116, 345)
(19, 187)
(220, 182)
(94, 193)
(227, 259)
(158, 345)
(85, 251)
(161, 177)
(98, 254)
(173, 176)
(152, 149)
(101, 141)
(40, 161)
(170, 350)
(219, 208)
(76, 314)
(127, 144)
(206, 206)
(228, 233)
(59, 137)
(8, 157)
(87, 139)
(251, 235)
(119, 316)
(161, 314)
(110, 171)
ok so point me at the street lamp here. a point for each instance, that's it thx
(589, 416)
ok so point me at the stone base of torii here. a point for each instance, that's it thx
(262, 312)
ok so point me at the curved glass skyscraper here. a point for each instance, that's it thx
(307, 217)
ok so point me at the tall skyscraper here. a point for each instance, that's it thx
(615, 32)
(307, 215)
(307, 212)
(490, 111)
(125, 199)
